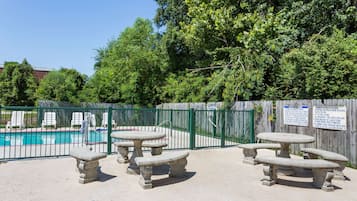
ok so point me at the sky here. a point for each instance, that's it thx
(52, 34)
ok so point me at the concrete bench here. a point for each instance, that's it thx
(312, 153)
(123, 149)
(322, 170)
(250, 150)
(176, 160)
(87, 163)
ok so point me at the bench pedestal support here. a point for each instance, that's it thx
(123, 155)
(177, 168)
(156, 151)
(322, 179)
(338, 171)
(270, 175)
(88, 170)
(145, 177)
(249, 156)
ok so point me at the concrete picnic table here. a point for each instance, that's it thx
(137, 137)
(285, 139)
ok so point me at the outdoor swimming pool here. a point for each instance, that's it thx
(51, 137)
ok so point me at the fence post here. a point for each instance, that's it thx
(192, 127)
(223, 130)
(39, 116)
(252, 136)
(157, 116)
(214, 119)
(109, 145)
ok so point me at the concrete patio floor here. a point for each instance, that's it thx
(213, 175)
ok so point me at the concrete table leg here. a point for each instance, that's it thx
(138, 152)
(284, 153)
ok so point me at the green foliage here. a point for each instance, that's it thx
(130, 69)
(321, 16)
(183, 88)
(324, 67)
(245, 42)
(246, 38)
(17, 84)
(103, 86)
(171, 12)
(62, 85)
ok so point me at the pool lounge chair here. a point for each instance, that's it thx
(17, 120)
(77, 119)
(105, 120)
(49, 119)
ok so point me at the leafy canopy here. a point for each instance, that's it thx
(62, 85)
(130, 68)
(17, 84)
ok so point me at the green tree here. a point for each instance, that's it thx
(103, 86)
(321, 16)
(245, 39)
(171, 14)
(237, 47)
(62, 85)
(17, 84)
(131, 68)
(324, 67)
(183, 88)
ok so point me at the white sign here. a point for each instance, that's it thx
(296, 116)
(333, 118)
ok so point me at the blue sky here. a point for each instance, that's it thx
(65, 33)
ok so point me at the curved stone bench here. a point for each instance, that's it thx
(176, 160)
(322, 170)
(341, 160)
(87, 163)
(123, 149)
(250, 150)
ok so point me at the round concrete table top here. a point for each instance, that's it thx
(137, 135)
(291, 138)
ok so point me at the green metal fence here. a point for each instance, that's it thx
(27, 132)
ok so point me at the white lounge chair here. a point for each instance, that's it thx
(17, 120)
(105, 120)
(77, 119)
(49, 119)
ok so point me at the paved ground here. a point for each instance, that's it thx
(213, 175)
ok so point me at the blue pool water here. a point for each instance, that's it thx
(50, 137)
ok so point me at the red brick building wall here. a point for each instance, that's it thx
(38, 73)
